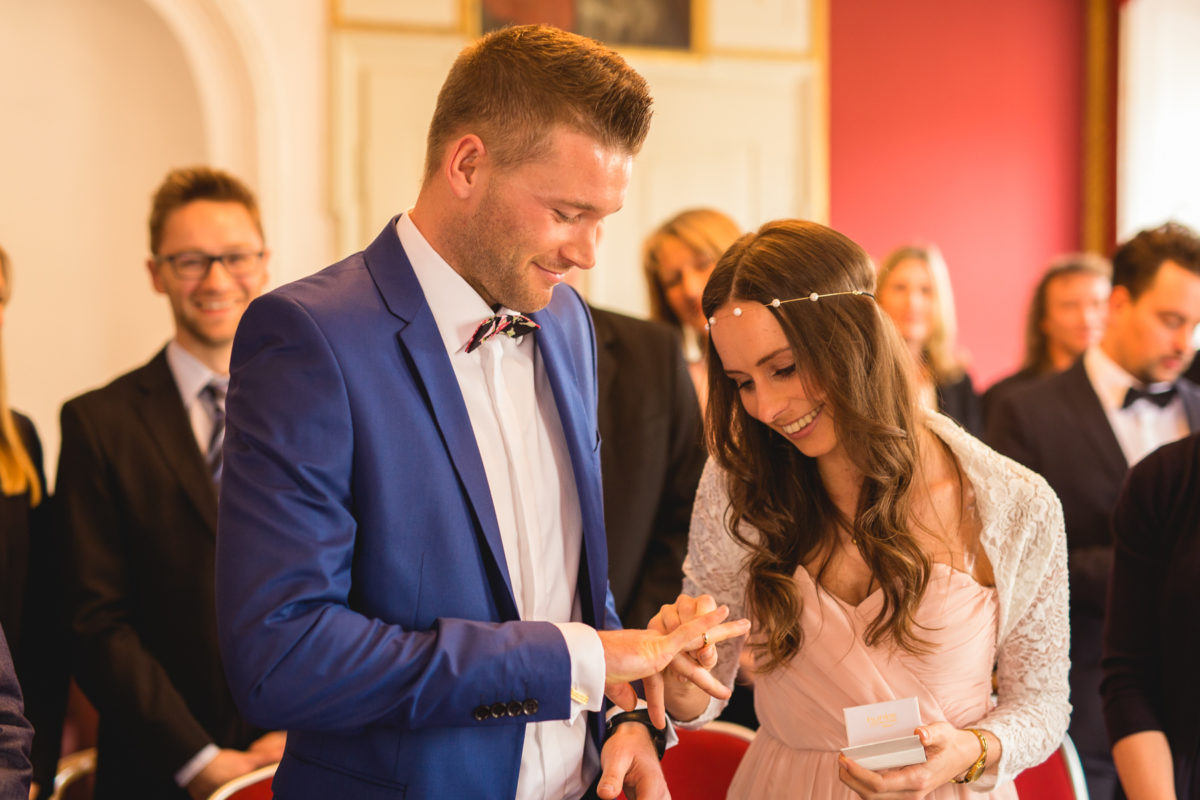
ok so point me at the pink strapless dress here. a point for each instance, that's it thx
(800, 707)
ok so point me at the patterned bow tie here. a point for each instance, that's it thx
(511, 325)
(1159, 399)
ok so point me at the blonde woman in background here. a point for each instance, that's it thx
(27, 587)
(678, 258)
(914, 290)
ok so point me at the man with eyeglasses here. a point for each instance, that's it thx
(137, 479)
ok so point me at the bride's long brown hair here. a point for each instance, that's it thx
(846, 347)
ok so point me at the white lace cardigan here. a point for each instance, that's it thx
(1023, 536)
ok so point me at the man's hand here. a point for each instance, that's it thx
(629, 761)
(270, 746)
(631, 655)
(228, 764)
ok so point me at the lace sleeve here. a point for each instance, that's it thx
(714, 566)
(1033, 657)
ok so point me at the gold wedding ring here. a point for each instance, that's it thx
(706, 638)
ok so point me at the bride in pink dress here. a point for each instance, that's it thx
(880, 551)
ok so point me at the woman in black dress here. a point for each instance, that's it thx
(914, 290)
(28, 573)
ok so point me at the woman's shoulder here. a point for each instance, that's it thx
(710, 514)
(26, 430)
(1002, 486)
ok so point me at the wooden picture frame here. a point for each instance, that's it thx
(651, 24)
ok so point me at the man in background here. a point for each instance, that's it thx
(1066, 316)
(651, 456)
(1083, 428)
(137, 482)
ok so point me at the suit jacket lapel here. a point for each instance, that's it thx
(606, 373)
(580, 432)
(419, 339)
(1084, 406)
(1191, 403)
(160, 409)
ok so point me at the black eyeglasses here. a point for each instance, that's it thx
(194, 266)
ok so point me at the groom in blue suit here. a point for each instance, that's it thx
(411, 566)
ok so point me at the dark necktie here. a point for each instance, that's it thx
(1159, 399)
(511, 325)
(214, 400)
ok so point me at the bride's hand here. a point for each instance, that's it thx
(684, 699)
(949, 753)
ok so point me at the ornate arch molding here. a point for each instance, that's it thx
(239, 95)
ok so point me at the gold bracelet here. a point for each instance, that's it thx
(976, 769)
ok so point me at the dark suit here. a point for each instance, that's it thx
(30, 610)
(140, 514)
(959, 401)
(1057, 427)
(16, 734)
(363, 592)
(651, 455)
(1000, 389)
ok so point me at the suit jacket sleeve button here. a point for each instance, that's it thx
(499, 710)
(481, 713)
(531, 707)
(515, 709)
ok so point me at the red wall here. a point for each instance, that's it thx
(961, 123)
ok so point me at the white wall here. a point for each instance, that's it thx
(1158, 162)
(100, 100)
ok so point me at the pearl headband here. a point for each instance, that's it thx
(776, 303)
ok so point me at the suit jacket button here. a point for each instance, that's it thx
(515, 709)
(481, 713)
(499, 710)
(531, 707)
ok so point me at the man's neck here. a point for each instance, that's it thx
(1060, 358)
(215, 357)
(1108, 347)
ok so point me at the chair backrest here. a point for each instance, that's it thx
(254, 785)
(72, 778)
(1059, 777)
(701, 766)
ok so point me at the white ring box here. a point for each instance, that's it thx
(880, 734)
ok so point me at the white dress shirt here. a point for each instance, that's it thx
(1144, 426)
(515, 421)
(191, 376)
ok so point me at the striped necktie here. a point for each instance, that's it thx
(213, 396)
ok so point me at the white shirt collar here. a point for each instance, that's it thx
(190, 373)
(1111, 382)
(457, 308)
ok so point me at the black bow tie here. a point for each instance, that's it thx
(1159, 399)
(511, 325)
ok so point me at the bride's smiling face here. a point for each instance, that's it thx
(757, 357)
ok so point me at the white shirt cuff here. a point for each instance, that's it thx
(195, 764)
(587, 667)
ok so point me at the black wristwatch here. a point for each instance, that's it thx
(657, 735)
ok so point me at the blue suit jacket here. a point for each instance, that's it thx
(363, 599)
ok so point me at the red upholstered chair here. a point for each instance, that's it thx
(701, 766)
(74, 776)
(251, 786)
(1059, 777)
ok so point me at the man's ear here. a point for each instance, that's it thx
(156, 281)
(466, 165)
(1118, 300)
